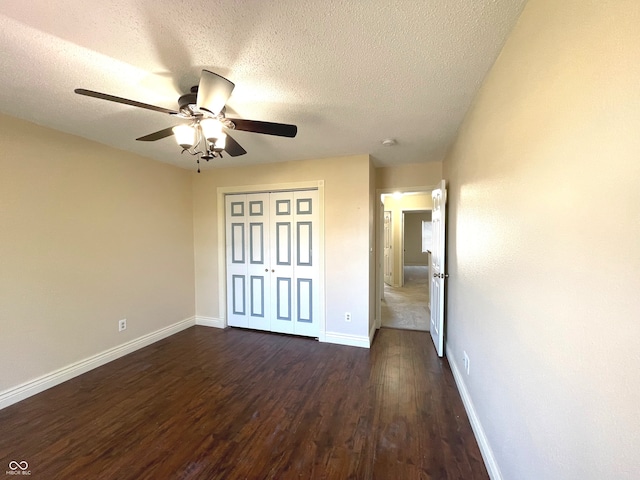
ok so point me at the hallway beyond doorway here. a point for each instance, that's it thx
(408, 307)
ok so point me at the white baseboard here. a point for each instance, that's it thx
(485, 449)
(344, 339)
(210, 322)
(32, 387)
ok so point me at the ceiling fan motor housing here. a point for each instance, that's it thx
(188, 107)
(187, 103)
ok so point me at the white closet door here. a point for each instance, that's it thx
(258, 272)
(306, 257)
(273, 262)
(236, 237)
(282, 262)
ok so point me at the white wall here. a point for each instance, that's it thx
(89, 235)
(347, 234)
(544, 244)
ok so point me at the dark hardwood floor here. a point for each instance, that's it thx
(209, 404)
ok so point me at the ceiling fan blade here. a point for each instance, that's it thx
(233, 148)
(133, 103)
(213, 92)
(152, 137)
(268, 128)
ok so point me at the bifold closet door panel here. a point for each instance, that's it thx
(236, 255)
(282, 262)
(306, 238)
(258, 271)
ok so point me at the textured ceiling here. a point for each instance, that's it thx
(348, 73)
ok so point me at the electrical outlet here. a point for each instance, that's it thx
(466, 362)
(347, 317)
(122, 325)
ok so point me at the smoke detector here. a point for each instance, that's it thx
(389, 142)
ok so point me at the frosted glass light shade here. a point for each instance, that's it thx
(185, 135)
(220, 142)
(211, 129)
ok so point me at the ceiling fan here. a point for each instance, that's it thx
(208, 126)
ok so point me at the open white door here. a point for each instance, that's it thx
(380, 264)
(439, 196)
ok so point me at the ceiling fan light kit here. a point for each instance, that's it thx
(204, 107)
(185, 136)
(220, 143)
(211, 129)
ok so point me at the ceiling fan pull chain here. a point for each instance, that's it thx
(198, 160)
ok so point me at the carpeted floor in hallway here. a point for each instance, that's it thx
(407, 307)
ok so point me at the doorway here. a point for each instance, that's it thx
(404, 281)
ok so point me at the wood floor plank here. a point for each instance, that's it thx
(227, 404)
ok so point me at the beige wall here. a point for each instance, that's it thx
(410, 176)
(89, 235)
(347, 234)
(414, 202)
(413, 254)
(544, 244)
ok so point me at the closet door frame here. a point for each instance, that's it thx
(264, 188)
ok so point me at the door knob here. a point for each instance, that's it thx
(266, 269)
